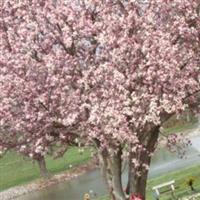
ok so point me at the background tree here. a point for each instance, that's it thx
(40, 97)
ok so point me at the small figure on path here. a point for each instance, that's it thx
(86, 196)
(190, 183)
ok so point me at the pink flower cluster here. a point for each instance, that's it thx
(98, 70)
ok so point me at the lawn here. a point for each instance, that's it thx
(180, 126)
(16, 170)
(181, 177)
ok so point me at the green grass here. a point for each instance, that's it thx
(180, 178)
(17, 170)
(181, 126)
(104, 198)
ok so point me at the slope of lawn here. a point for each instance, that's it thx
(181, 178)
(16, 170)
(180, 125)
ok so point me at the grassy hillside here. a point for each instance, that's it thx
(175, 126)
(16, 170)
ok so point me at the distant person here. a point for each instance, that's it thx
(86, 196)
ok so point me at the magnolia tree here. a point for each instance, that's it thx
(148, 70)
(40, 93)
(110, 72)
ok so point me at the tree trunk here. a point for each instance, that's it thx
(111, 166)
(117, 175)
(106, 171)
(138, 175)
(188, 116)
(42, 166)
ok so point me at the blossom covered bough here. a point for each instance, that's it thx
(110, 72)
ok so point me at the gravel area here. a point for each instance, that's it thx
(14, 192)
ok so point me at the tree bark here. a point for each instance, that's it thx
(42, 167)
(111, 166)
(137, 177)
(117, 175)
(103, 155)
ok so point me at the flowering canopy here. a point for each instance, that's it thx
(147, 67)
(114, 68)
(39, 75)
